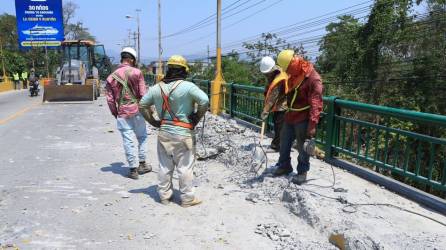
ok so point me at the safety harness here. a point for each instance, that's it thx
(127, 96)
(296, 92)
(166, 107)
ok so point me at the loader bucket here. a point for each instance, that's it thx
(68, 93)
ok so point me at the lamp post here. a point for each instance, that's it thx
(138, 32)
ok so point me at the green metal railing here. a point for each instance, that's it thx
(406, 145)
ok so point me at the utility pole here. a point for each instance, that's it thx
(139, 35)
(129, 39)
(218, 80)
(160, 49)
(209, 58)
(135, 38)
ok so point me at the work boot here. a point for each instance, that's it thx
(166, 201)
(283, 169)
(299, 179)
(144, 168)
(194, 202)
(133, 174)
(274, 147)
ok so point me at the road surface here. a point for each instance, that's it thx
(63, 186)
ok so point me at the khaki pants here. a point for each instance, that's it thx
(176, 151)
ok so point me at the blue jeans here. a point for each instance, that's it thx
(288, 133)
(135, 125)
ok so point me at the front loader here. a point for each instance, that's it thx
(78, 78)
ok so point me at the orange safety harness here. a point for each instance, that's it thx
(166, 107)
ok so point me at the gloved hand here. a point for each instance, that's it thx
(194, 119)
(155, 123)
(264, 115)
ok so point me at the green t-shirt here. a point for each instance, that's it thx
(181, 101)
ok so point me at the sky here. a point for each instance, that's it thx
(243, 19)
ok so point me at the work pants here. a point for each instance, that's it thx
(176, 151)
(16, 84)
(130, 127)
(290, 132)
(278, 119)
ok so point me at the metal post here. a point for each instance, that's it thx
(139, 35)
(160, 49)
(47, 62)
(330, 128)
(3, 60)
(218, 80)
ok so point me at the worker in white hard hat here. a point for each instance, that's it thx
(275, 82)
(124, 89)
(180, 105)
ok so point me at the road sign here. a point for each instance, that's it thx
(39, 23)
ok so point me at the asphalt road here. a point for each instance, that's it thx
(63, 186)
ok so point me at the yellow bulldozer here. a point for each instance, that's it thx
(84, 65)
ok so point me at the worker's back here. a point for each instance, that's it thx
(181, 102)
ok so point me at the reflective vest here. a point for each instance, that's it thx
(25, 75)
(16, 76)
(166, 107)
(280, 77)
(127, 96)
(296, 92)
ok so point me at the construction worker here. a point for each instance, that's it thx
(276, 79)
(174, 101)
(124, 89)
(25, 79)
(303, 92)
(16, 79)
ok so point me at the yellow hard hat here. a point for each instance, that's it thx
(178, 60)
(284, 58)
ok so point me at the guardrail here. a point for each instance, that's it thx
(405, 145)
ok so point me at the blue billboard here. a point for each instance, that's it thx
(39, 23)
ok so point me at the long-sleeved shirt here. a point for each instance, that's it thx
(182, 103)
(310, 93)
(113, 91)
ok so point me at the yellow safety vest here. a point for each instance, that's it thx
(16, 76)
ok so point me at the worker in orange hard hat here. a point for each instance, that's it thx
(303, 91)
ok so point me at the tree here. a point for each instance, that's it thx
(74, 30)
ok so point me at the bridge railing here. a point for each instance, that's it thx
(405, 145)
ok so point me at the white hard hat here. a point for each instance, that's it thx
(129, 50)
(267, 64)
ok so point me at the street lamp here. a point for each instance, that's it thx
(139, 34)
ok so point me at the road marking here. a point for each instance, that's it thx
(18, 113)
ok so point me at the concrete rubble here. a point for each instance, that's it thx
(232, 144)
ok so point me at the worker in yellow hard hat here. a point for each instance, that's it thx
(174, 101)
(303, 91)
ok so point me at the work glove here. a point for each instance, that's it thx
(155, 123)
(194, 119)
(264, 115)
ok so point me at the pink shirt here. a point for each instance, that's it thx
(113, 91)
